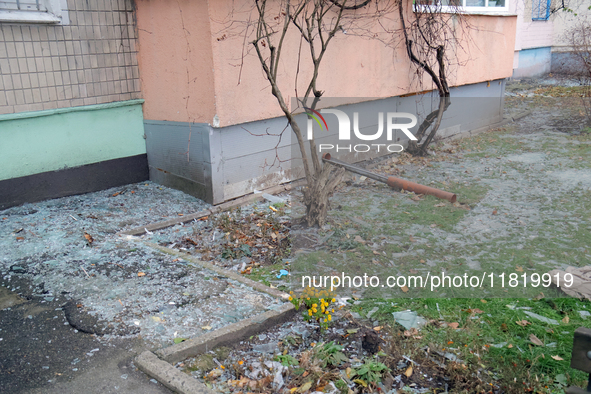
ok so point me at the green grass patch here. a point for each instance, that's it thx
(497, 337)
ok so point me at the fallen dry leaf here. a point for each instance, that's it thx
(378, 328)
(539, 296)
(557, 358)
(453, 325)
(441, 204)
(246, 271)
(404, 289)
(88, 237)
(358, 239)
(565, 320)
(518, 268)
(408, 372)
(412, 332)
(304, 387)
(141, 274)
(522, 323)
(535, 340)
(495, 212)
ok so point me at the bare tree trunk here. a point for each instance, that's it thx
(316, 29)
(429, 45)
(318, 192)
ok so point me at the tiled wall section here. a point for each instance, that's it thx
(90, 61)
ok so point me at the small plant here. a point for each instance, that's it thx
(341, 385)
(286, 360)
(291, 341)
(340, 240)
(228, 253)
(232, 253)
(368, 373)
(280, 206)
(318, 305)
(330, 353)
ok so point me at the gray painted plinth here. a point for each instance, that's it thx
(218, 164)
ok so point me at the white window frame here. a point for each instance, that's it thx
(463, 9)
(56, 14)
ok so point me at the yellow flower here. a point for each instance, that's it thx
(325, 320)
(308, 298)
(329, 317)
(333, 300)
(290, 298)
(314, 305)
(314, 310)
(309, 312)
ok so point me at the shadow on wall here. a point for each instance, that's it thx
(567, 63)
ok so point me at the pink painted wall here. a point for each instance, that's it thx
(233, 88)
(175, 60)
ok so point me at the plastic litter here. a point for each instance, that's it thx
(266, 347)
(273, 199)
(541, 318)
(409, 319)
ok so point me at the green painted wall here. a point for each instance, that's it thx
(41, 141)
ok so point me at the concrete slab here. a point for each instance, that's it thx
(169, 376)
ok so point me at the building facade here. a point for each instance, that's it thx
(100, 93)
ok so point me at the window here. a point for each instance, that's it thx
(464, 6)
(540, 10)
(33, 11)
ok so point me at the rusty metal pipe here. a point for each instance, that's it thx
(420, 189)
(394, 182)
